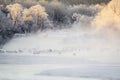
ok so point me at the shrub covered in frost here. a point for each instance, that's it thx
(89, 10)
(81, 19)
(57, 11)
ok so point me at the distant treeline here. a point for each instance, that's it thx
(71, 2)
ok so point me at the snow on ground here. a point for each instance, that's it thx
(59, 71)
(31, 72)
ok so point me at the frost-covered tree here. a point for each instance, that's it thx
(38, 13)
(1, 6)
(6, 29)
(4, 21)
(109, 16)
(26, 15)
(27, 20)
(15, 13)
(40, 17)
(58, 12)
(114, 5)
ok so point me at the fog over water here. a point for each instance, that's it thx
(92, 37)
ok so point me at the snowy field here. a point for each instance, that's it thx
(26, 67)
(55, 71)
